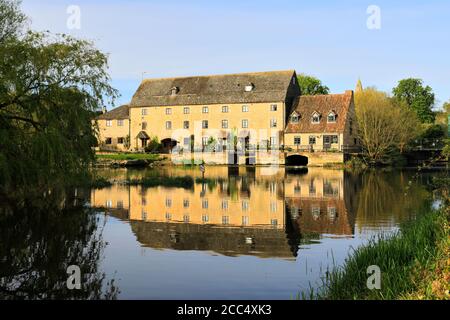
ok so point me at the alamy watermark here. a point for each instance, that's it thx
(374, 279)
(74, 19)
(74, 279)
(373, 22)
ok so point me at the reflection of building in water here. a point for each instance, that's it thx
(234, 213)
(319, 202)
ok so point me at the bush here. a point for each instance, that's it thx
(153, 145)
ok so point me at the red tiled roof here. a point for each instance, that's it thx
(305, 106)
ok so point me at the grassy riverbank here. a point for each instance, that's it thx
(414, 264)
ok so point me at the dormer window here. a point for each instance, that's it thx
(295, 117)
(249, 87)
(331, 117)
(174, 91)
(315, 117)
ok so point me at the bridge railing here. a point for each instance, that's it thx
(321, 148)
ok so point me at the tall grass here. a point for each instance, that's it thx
(397, 256)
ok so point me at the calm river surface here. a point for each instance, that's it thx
(244, 233)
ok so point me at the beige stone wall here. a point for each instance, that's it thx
(259, 158)
(114, 132)
(263, 209)
(259, 116)
(304, 143)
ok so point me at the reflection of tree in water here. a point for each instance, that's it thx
(38, 243)
(389, 197)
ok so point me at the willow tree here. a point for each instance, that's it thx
(384, 124)
(50, 87)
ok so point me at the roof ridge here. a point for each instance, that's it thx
(218, 75)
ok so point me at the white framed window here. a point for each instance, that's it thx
(205, 141)
(312, 140)
(245, 108)
(245, 220)
(168, 202)
(315, 212)
(205, 204)
(245, 123)
(273, 141)
(185, 124)
(295, 118)
(205, 109)
(109, 123)
(186, 203)
(186, 218)
(297, 140)
(245, 205)
(108, 140)
(315, 118)
(225, 109)
(331, 117)
(205, 218)
(168, 216)
(225, 219)
(109, 203)
(205, 124)
(273, 206)
(273, 123)
(120, 140)
(144, 112)
(332, 213)
(273, 107)
(224, 124)
(274, 222)
(186, 110)
(168, 110)
(187, 141)
(120, 123)
(168, 125)
(224, 205)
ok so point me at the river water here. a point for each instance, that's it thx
(240, 233)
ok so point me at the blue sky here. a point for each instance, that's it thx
(327, 39)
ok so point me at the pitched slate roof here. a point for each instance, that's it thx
(214, 89)
(122, 112)
(305, 106)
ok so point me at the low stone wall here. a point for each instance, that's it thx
(256, 158)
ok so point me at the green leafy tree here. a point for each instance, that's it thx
(418, 97)
(385, 126)
(50, 88)
(310, 85)
(12, 20)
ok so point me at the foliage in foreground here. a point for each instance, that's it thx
(417, 245)
(50, 88)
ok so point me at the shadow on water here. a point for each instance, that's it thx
(38, 242)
